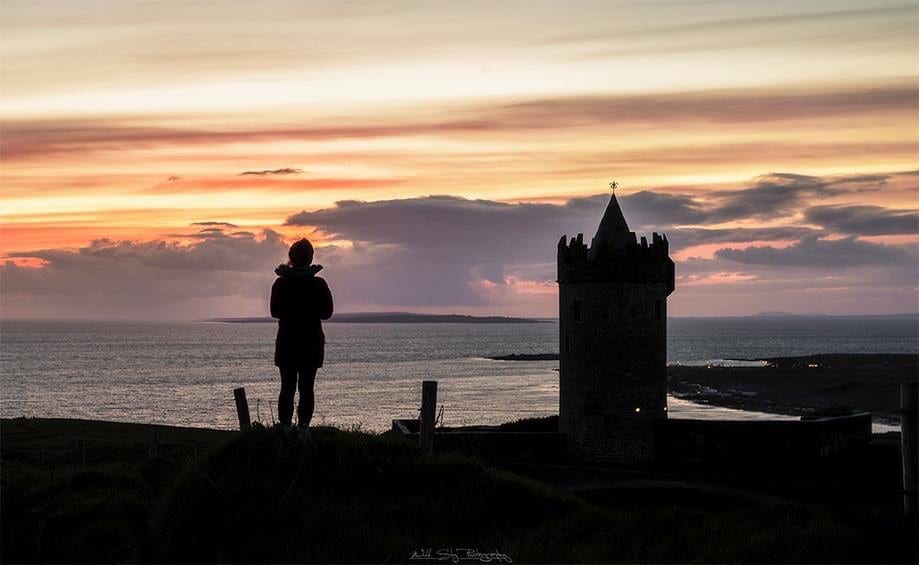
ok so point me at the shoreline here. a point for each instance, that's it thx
(814, 385)
(797, 386)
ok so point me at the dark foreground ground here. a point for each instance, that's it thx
(79, 491)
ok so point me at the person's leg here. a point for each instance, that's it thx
(286, 398)
(307, 400)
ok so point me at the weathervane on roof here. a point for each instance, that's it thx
(613, 186)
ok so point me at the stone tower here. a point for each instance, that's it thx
(613, 341)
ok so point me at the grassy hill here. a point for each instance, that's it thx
(270, 496)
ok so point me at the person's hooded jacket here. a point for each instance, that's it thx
(300, 300)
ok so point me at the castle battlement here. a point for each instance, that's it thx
(631, 259)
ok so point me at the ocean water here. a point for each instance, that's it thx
(184, 373)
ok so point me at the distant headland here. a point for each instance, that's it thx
(396, 318)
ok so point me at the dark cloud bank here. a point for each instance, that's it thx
(141, 280)
(268, 172)
(864, 220)
(453, 253)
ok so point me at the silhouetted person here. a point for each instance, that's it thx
(299, 300)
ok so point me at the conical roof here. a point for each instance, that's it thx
(612, 233)
(613, 222)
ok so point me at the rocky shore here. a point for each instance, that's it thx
(799, 386)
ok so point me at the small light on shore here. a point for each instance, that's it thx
(638, 409)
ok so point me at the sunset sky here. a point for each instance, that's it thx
(158, 156)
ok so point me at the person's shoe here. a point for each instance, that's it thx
(303, 432)
(286, 428)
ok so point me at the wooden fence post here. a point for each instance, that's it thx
(428, 406)
(242, 408)
(909, 399)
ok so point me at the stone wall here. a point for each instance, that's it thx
(708, 441)
(713, 440)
